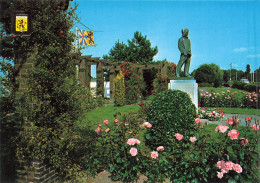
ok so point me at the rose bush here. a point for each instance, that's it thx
(229, 99)
(227, 155)
(215, 114)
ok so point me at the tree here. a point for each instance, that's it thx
(248, 70)
(138, 50)
(51, 132)
(209, 73)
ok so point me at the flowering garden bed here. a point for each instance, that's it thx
(214, 153)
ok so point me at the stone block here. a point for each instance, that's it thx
(189, 86)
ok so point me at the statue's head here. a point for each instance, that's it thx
(185, 32)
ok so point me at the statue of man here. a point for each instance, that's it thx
(185, 49)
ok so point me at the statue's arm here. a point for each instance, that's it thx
(181, 46)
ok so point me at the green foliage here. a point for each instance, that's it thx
(160, 83)
(170, 112)
(209, 73)
(134, 83)
(119, 90)
(52, 102)
(138, 50)
(112, 150)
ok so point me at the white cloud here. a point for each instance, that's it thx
(241, 49)
(253, 56)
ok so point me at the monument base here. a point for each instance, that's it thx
(189, 86)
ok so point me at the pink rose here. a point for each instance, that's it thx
(255, 127)
(197, 120)
(178, 136)
(147, 125)
(106, 122)
(131, 141)
(137, 141)
(220, 175)
(133, 151)
(221, 164)
(160, 148)
(237, 168)
(98, 130)
(229, 165)
(154, 154)
(116, 120)
(233, 134)
(193, 139)
(221, 128)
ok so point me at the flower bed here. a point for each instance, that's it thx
(229, 153)
(215, 114)
(229, 99)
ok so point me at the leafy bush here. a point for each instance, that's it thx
(239, 85)
(160, 83)
(252, 87)
(251, 100)
(113, 150)
(170, 112)
(205, 84)
(134, 83)
(119, 90)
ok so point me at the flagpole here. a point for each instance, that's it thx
(76, 37)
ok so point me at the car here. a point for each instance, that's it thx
(244, 80)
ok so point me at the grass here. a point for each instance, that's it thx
(98, 115)
(241, 111)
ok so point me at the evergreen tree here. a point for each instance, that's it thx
(138, 50)
(248, 70)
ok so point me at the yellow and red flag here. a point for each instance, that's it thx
(86, 37)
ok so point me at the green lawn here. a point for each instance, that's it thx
(96, 116)
(241, 111)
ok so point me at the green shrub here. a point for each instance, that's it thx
(170, 112)
(160, 83)
(252, 87)
(205, 85)
(239, 85)
(134, 83)
(119, 89)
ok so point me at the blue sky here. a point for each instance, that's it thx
(221, 32)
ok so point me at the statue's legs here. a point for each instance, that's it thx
(187, 67)
(180, 64)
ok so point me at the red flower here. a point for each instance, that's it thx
(61, 32)
(249, 118)
(59, 7)
(141, 104)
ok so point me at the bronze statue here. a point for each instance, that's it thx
(185, 49)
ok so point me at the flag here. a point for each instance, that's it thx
(86, 37)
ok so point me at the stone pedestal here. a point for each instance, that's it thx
(189, 86)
